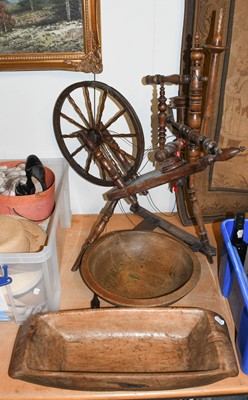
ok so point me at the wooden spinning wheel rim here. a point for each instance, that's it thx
(87, 122)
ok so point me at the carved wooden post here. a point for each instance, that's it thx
(194, 122)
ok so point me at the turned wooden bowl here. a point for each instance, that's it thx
(139, 268)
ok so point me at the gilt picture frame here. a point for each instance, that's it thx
(222, 189)
(50, 35)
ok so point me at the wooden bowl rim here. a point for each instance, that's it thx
(119, 300)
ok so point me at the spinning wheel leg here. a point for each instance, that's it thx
(95, 302)
(199, 219)
(155, 221)
(95, 232)
(193, 153)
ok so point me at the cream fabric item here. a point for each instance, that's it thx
(19, 235)
(9, 177)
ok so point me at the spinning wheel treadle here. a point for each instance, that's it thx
(91, 119)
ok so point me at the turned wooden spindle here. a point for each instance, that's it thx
(174, 79)
(196, 86)
(167, 154)
(160, 155)
(162, 108)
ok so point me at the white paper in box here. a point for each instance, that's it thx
(35, 285)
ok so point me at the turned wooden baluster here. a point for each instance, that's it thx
(194, 122)
(162, 108)
(161, 155)
(166, 153)
(196, 86)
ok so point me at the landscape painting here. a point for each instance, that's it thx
(30, 26)
(50, 34)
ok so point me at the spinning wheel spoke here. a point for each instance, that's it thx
(101, 109)
(88, 162)
(71, 135)
(114, 119)
(78, 111)
(93, 107)
(72, 121)
(123, 135)
(89, 106)
(80, 148)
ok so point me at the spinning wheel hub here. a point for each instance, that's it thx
(95, 136)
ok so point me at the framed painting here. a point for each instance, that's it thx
(222, 189)
(50, 35)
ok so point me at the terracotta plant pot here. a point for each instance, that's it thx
(36, 207)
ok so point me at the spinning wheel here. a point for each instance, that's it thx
(93, 112)
(95, 125)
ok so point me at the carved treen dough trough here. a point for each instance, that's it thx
(124, 349)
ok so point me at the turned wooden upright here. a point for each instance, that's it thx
(194, 122)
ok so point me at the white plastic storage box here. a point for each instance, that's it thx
(34, 277)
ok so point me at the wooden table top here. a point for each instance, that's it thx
(75, 295)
